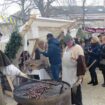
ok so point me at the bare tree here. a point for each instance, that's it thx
(44, 6)
(25, 7)
(83, 7)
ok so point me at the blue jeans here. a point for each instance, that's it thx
(55, 69)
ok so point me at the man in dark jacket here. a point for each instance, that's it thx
(102, 59)
(94, 53)
(54, 55)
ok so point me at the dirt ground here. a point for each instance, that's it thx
(92, 95)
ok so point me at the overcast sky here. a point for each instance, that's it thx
(92, 2)
(14, 8)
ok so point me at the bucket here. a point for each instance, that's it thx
(61, 94)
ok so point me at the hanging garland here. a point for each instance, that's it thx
(13, 45)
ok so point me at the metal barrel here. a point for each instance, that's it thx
(62, 98)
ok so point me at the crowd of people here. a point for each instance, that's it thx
(94, 49)
(75, 56)
(70, 57)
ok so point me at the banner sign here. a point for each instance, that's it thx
(8, 19)
(95, 30)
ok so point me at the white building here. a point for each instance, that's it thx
(6, 29)
(39, 27)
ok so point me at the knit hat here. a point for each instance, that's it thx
(49, 35)
(67, 38)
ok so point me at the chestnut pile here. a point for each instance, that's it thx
(38, 91)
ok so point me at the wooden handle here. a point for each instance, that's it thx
(92, 64)
(35, 45)
(46, 82)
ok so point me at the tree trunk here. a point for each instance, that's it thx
(23, 11)
(43, 7)
(84, 1)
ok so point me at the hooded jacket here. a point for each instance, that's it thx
(54, 51)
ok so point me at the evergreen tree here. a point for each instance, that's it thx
(13, 45)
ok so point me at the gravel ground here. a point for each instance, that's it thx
(92, 95)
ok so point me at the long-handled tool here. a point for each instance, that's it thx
(92, 64)
(46, 82)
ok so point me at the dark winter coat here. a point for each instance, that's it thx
(94, 54)
(54, 52)
(102, 57)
